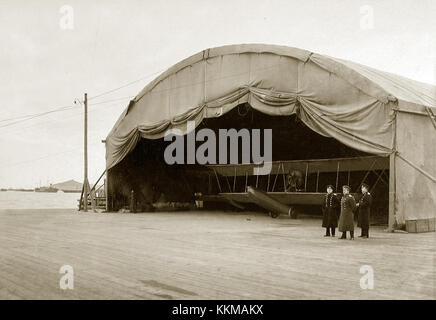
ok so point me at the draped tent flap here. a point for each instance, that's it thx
(338, 126)
(352, 129)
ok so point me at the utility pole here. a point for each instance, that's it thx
(85, 182)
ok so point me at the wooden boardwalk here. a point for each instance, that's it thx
(204, 255)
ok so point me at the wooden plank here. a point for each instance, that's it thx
(432, 224)
(422, 225)
(411, 226)
(203, 255)
(106, 193)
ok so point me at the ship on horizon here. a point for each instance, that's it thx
(47, 189)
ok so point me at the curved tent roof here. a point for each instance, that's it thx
(337, 98)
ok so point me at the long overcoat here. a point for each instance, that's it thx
(346, 219)
(330, 211)
(364, 210)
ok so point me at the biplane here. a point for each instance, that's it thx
(273, 189)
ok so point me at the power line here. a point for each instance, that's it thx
(33, 116)
(107, 101)
(30, 117)
(125, 85)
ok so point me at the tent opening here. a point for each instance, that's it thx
(154, 181)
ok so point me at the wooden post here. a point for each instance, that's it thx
(305, 178)
(106, 195)
(246, 180)
(337, 177)
(109, 196)
(317, 180)
(132, 202)
(93, 200)
(85, 180)
(392, 188)
(81, 198)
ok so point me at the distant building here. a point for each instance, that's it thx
(68, 186)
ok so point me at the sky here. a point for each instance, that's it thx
(52, 52)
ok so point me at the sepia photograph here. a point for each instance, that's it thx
(195, 151)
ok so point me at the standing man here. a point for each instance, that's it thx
(364, 207)
(330, 212)
(346, 220)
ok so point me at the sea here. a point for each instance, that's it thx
(38, 200)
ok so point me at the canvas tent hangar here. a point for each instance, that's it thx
(368, 110)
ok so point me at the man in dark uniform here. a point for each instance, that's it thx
(364, 207)
(346, 220)
(330, 212)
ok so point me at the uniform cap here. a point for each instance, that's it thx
(365, 185)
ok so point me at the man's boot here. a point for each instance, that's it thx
(366, 234)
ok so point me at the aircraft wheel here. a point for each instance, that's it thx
(274, 215)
